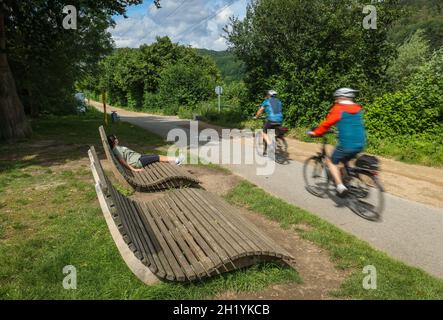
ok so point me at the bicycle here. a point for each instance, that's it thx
(366, 193)
(281, 145)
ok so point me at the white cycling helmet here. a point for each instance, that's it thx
(345, 92)
(272, 93)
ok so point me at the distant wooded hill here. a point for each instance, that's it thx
(422, 14)
(230, 67)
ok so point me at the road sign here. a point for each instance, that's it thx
(218, 90)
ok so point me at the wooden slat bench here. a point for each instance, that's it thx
(155, 177)
(187, 234)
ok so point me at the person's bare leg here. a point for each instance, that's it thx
(335, 172)
(266, 138)
(166, 159)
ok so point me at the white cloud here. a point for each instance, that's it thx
(198, 23)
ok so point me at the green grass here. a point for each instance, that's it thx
(50, 218)
(395, 280)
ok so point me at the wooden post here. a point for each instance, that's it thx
(105, 115)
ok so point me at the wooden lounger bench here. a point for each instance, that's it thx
(155, 177)
(188, 234)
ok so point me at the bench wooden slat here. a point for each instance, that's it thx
(201, 249)
(227, 229)
(182, 238)
(272, 247)
(168, 246)
(171, 267)
(220, 245)
(141, 236)
(255, 243)
(232, 228)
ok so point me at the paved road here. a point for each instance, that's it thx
(410, 231)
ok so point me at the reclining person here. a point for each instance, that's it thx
(134, 161)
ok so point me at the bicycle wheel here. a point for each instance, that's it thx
(260, 144)
(366, 196)
(316, 177)
(281, 154)
(282, 144)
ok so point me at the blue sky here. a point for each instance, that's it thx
(197, 23)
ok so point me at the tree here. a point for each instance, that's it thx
(162, 72)
(426, 15)
(411, 56)
(13, 122)
(306, 49)
(46, 57)
(415, 109)
(185, 84)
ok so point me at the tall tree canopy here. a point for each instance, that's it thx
(45, 58)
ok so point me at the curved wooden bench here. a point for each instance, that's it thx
(186, 235)
(155, 177)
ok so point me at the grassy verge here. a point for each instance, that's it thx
(395, 280)
(50, 218)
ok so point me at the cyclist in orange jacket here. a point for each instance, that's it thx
(347, 115)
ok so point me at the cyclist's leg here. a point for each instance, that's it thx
(266, 138)
(335, 171)
(340, 155)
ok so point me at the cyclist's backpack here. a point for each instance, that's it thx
(366, 161)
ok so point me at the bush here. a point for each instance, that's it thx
(185, 113)
(411, 56)
(185, 84)
(415, 110)
(426, 149)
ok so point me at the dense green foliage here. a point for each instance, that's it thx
(231, 69)
(163, 75)
(411, 56)
(414, 110)
(420, 14)
(46, 59)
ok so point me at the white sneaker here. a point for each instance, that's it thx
(342, 191)
(179, 160)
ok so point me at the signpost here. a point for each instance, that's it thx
(105, 119)
(218, 91)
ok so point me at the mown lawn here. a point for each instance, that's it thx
(50, 218)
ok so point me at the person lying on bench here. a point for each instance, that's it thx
(134, 161)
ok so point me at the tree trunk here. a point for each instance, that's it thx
(13, 123)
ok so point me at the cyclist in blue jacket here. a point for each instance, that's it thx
(272, 106)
